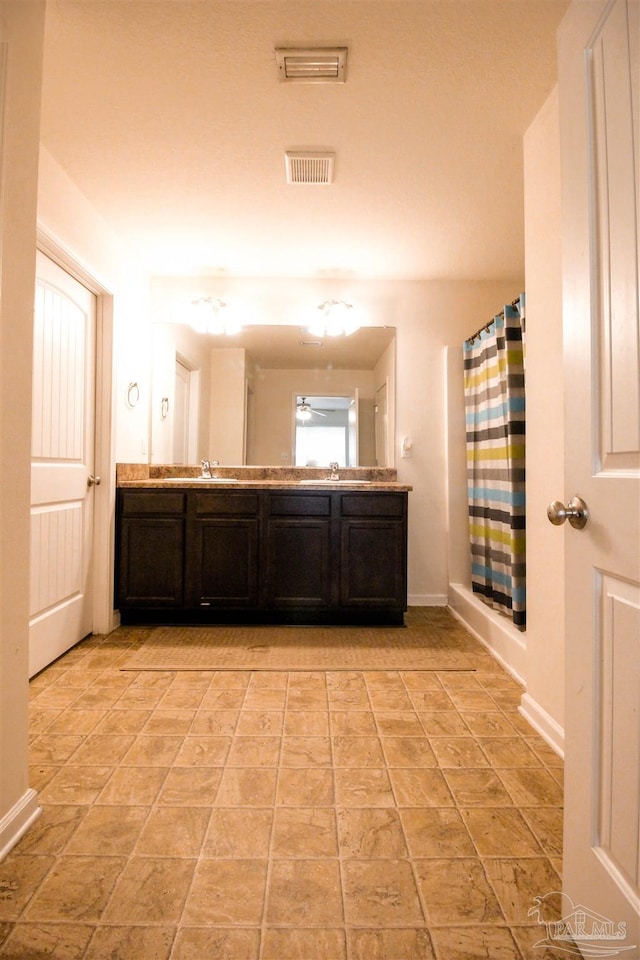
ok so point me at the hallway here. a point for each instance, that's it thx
(272, 815)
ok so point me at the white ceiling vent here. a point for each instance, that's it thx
(312, 65)
(309, 167)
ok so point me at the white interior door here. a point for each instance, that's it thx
(599, 45)
(181, 413)
(353, 430)
(62, 462)
(381, 414)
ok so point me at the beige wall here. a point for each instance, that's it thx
(544, 702)
(21, 37)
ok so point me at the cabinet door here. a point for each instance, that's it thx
(223, 563)
(373, 563)
(151, 562)
(298, 562)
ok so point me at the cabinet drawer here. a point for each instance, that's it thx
(296, 505)
(373, 505)
(144, 502)
(219, 503)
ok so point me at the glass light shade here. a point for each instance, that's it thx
(334, 318)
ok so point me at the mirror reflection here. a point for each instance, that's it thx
(235, 399)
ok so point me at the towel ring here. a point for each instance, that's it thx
(164, 408)
(133, 394)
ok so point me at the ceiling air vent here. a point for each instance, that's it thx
(312, 65)
(307, 167)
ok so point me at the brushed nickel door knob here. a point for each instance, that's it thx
(576, 512)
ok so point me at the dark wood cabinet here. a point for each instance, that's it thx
(222, 554)
(198, 556)
(297, 551)
(150, 536)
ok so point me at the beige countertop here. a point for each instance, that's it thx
(148, 476)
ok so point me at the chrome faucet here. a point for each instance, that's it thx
(206, 470)
(334, 475)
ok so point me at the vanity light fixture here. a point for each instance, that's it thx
(335, 318)
(213, 315)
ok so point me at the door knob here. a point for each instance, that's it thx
(576, 512)
(94, 481)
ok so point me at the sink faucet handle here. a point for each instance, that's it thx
(206, 468)
(333, 467)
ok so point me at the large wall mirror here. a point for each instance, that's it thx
(235, 399)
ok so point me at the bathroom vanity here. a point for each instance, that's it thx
(280, 548)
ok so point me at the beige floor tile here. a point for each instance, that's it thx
(306, 723)
(527, 937)
(203, 752)
(357, 752)
(260, 722)
(483, 724)
(19, 878)
(52, 830)
(257, 699)
(75, 721)
(235, 833)
(303, 698)
(547, 824)
(420, 788)
(123, 722)
(134, 785)
(408, 752)
(531, 787)
(108, 831)
(456, 891)
(458, 752)
(477, 788)
(254, 752)
(391, 699)
(305, 752)
(443, 723)
(53, 749)
(475, 943)
(267, 680)
(232, 678)
(102, 749)
(227, 892)
(304, 832)
(518, 881)
(384, 680)
(152, 751)
(436, 832)
(305, 787)
(371, 834)
(169, 722)
(363, 787)
(380, 893)
(131, 943)
(412, 944)
(500, 832)
(173, 832)
(32, 941)
(352, 723)
(508, 752)
(217, 699)
(421, 680)
(245, 787)
(196, 943)
(150, 890)
(404, 723)
(459, 680)
(304, 892)
(470, 700)
(311, 943)
(214, 723)
(76, 889)
(76, 784)
(186, 786)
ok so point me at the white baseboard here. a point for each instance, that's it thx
(504, 642)
(18, 820)
(544, 724)
(427, 600)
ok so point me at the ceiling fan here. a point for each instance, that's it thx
(305, 412)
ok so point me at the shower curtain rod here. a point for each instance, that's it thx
(514, 303)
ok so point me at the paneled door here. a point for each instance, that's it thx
(599, 48)
(62, 462)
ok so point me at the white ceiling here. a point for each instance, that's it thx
(170, 118)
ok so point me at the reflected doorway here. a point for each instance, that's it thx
(322, 431)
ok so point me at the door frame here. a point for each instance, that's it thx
(104, 617)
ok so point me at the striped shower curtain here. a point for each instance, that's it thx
(495, 425)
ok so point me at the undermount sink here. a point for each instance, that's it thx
(200, 480)
(328, 480)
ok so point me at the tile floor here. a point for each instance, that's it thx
(268, 816)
